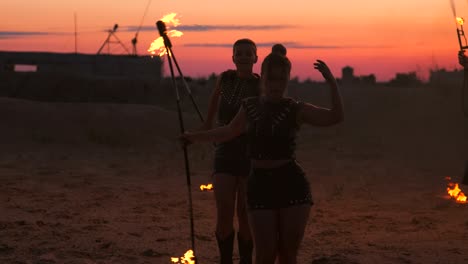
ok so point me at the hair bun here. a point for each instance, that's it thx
(279, 49)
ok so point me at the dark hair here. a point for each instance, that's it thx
(244, 41)
(277, 58)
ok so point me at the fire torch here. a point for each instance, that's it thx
(171, 59)
(461, 34)
(463, 46)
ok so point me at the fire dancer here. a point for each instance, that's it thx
(463, 60)
(278, 193)
(231, 164)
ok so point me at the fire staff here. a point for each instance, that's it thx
(463, 60)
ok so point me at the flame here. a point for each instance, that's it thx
(188, 258)
(171, 19)
(454, 191)
(460, 21)
(208, 187)
(157, 46)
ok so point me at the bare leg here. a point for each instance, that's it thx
(292, 224)
(244, 237)
(244, 228)
(225, 187)
(264, 226)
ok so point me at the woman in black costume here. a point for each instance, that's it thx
(278, 193)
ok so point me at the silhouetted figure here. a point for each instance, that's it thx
(231, 164)
(278, 192)
(463, 60)
(279, 48)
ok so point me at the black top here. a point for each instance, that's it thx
(271, 128)
(233, 91)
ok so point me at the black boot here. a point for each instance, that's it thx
(245, 250)
(225, 249)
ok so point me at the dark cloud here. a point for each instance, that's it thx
(202, 28)
(19, 34)
(288, 45)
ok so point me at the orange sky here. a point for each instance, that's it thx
(380, 37)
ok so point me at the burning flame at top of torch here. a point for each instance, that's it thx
(188, 258)
(454, 191)
(460, 21)
(157, 46)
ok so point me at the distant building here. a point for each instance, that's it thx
(347, 75)
(112, 66)
(446, 82)
(442, 76)
(405, 79)
(368, 79)
(348, 78)
(78, 77)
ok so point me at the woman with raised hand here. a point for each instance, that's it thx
(278, 192)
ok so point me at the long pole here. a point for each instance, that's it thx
(189, 91)
(76, 36)
(167, 43)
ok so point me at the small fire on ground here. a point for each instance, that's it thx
(455, 192)
(188, 258)
(208, 187)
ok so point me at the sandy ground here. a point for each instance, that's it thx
(82, 183)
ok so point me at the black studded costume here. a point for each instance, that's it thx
(271, 130)
(231, 156)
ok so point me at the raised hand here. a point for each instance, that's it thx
(323, 68)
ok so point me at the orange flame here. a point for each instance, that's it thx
(188, 258)
(208, 187)
(157, 46)
(454, 191)
(460, 21)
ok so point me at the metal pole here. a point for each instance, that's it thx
(459, 33)
(168, 45)
(189, 91)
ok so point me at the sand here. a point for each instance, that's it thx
(105, 183)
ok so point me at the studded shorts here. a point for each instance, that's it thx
(277, 188)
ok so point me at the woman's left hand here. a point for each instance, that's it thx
(323, 68)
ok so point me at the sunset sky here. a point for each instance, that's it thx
(379, 37)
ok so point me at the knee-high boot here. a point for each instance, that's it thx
(245, 250)
(225, 249)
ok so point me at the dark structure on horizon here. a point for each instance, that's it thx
(348, 78)
(79, 77)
